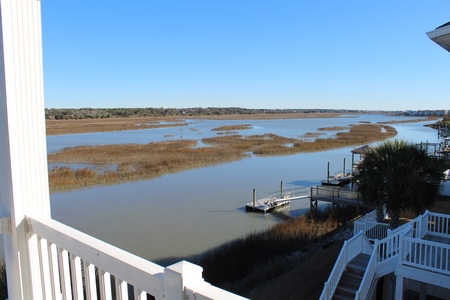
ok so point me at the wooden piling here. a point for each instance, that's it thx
(254, 198)
(281, 190)
(328, 173)
(343, 170)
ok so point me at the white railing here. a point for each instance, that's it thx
(438, 225)
(351, 248)
(426, 255)
(73, 265)
(382, 260)
(361, 223)
(371, 228)
(404, 243)
(369, 275)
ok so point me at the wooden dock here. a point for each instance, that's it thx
(339, 179)
(330, 194)
(337, 195)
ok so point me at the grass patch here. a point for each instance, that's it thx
(334, 128)
(246, 262)
(233, 127)
(134, 161)
(55, 127)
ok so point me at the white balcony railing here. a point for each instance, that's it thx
(426, 255)
(72, 265)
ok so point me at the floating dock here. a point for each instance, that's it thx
(339, 179)
(270, 203)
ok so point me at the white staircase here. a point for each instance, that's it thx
(352, 277)
(361, 263)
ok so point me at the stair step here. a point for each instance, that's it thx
(343, 295)
(350, 281)
(356, 269)
(347, 290)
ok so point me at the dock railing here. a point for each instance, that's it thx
(331, 194)
(69, 264)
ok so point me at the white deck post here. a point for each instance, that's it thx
(23, 155)
(179, 276)
(399, 288)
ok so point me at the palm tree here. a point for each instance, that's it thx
(398, 175)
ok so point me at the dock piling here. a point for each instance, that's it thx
(343, 170)
(254, 198)
(328, 173)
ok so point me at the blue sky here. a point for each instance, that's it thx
(245, 53)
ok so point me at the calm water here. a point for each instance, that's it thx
(185, 213)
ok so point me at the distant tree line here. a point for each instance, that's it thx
(100, 113)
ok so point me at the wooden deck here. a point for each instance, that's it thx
(431, 253)
(337, 195)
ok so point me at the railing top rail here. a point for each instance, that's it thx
(439, 215)
(137, 271)
(426, 242)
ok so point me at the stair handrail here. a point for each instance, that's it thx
(345, 256)
(369, 274)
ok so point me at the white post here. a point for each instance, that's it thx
(179, 276)
(399, 287)
(23, 155)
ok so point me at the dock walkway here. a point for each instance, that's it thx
(336, 195)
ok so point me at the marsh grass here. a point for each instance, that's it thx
(3, 281)
(333, 128)
(256, 258)
(134, 161)
(233, 127)
(137, 161)
(55, 127)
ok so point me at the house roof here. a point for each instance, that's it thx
(441, 36)
(361, 150)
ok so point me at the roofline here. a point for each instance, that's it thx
(439, 32)
(435, 36)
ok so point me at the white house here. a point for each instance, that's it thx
(44, 258)
(378, 263)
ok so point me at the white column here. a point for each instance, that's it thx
(23, 155)
(399, 288)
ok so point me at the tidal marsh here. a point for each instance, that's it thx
(144, 161)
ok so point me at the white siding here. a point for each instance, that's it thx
(23, 159)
